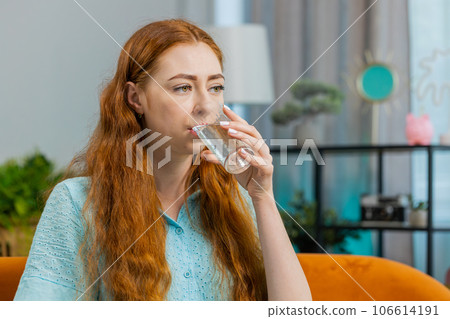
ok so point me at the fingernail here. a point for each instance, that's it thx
(224, 123)
(232, 131)
(226, 107)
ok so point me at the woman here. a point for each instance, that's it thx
(233, 245)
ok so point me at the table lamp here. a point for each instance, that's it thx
(247, 66)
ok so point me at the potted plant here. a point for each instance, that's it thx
(304, 214)
(310, 98)
(418, 216)
(22, 184)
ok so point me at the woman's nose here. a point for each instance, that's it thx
(205, 112)
(201, 109)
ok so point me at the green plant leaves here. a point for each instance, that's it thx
(309, 98)
(304, 214)
(22, 184)
(417, 204)
(21, 207)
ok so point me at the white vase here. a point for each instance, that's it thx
(418, 218)
(309, 128)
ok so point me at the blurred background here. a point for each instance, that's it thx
(345, 73)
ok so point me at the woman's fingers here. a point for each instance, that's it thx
(243, 127)
(257, 144)
(247, 134)
(256, 160)
(233, 116)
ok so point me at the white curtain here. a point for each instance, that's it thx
(430, 68)
(300, 31)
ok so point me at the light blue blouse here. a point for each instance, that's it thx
(53, 266)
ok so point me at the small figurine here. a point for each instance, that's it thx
(419, 130)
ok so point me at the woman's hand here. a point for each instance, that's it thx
(257, 179)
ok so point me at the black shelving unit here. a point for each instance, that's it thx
(379, 150)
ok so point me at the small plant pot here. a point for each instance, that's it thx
(310, 128)
(16, 241)
(418, 218)
(4, 242)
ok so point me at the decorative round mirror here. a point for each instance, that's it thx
(376, 82)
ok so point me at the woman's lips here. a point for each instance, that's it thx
(193, 132)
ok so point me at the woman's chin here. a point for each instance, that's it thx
(195, 146)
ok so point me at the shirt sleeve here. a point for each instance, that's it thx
(53, 268)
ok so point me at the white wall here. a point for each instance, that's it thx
(53, 59)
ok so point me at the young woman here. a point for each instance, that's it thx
(185, 232)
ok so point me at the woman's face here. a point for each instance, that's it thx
(189, 81)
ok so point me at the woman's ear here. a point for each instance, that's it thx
(133, 96)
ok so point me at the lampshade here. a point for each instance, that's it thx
(247, 67)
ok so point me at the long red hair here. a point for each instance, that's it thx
(142, 273)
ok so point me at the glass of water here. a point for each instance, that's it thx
(225, 147)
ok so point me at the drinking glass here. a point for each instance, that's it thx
(225, 147)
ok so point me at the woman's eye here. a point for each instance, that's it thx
(183, 88)
(218, 88)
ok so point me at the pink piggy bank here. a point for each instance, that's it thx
(419, 130)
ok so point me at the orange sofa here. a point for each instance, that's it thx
(337, 277)
(360, 278)
(11, 269)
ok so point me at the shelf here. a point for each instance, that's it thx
(350, 148)
(399, 147)
(379, 151)
(383, 227)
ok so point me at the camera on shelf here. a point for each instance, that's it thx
(379, 210)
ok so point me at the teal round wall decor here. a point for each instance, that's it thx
(376, 82)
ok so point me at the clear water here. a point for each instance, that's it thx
(216, 138)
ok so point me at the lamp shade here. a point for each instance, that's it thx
(247, 67)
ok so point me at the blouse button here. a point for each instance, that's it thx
(187, 274)
(179, 230)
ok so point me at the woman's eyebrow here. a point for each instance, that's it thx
(216, 76)
(194, 77)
